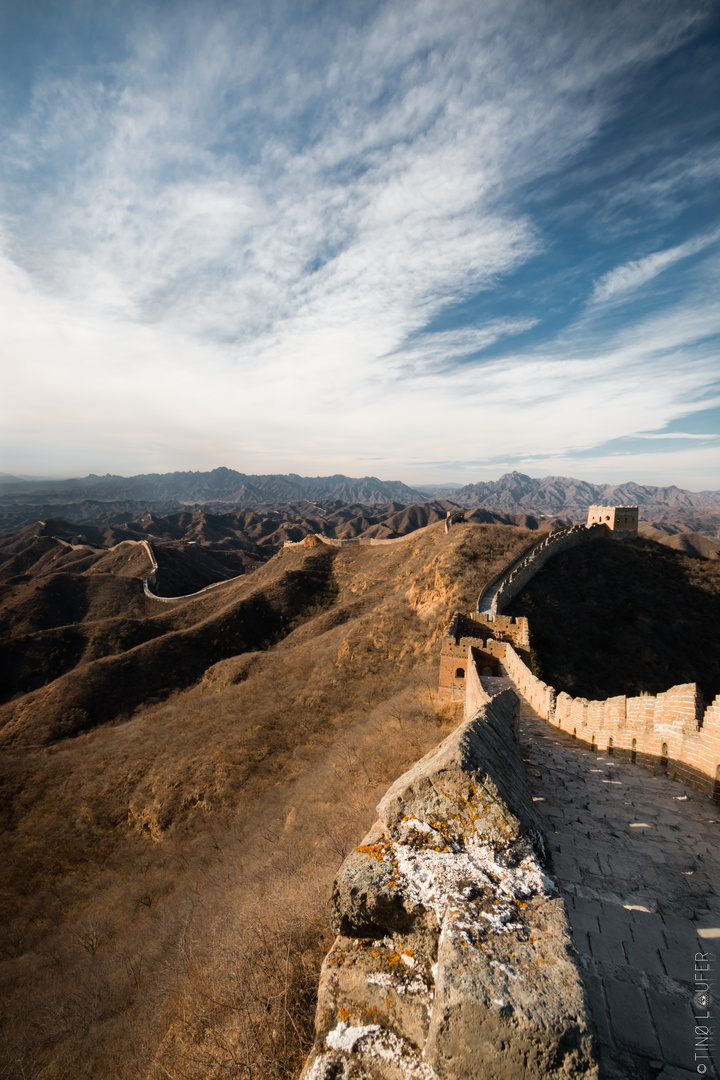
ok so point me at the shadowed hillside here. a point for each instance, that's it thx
(166, 868)
(624, 617)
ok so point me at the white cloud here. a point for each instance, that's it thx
(234, 246)
(633, 275)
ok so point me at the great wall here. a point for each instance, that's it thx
(454, 957)
(670, 731)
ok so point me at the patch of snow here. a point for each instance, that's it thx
(439, 879)
(376, 1042)
(414, 986)
(344, 1037)
(501, 919)
(325, 1067)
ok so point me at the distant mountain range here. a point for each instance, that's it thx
(219, 486)
(513, 493)
(517, 493)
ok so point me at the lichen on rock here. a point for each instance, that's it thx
(453, 957)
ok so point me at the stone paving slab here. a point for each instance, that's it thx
(643, 957)
(630, 1018)
(638, 859)
(675, 1025)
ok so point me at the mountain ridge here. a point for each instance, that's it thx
(223, 485)
(514, 493)
(227, 484)
(553, 493)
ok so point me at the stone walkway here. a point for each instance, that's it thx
(637, 857)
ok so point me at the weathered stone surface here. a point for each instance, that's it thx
(472, 785)
(368, 900)
(510, 1006)
(385, 982)
(367, 1053)
(454, 959)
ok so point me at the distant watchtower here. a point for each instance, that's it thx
(621, 520)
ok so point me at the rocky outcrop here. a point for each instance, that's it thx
(453, 956)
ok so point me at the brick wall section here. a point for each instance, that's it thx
(483, 633)
(504, 572)
(454, 658)
(636, 725)
(475, 694)
(372, 541)
(621, 519)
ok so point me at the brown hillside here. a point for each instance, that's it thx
(247, 615)
(165, 873)
(622, 618)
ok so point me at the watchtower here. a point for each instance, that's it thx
(620, 520)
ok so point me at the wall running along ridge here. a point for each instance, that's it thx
(514, 580)
(668, 731)
(453, 958)
(372, 541)
(151, 578)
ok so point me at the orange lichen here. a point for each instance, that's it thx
(375, 851)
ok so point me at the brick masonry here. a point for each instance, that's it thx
(668, 732)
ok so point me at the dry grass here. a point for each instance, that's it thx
(166, 876)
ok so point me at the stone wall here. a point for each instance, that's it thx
(485, 634)
(453, 958)
(668, 731)
(372, 541)
(490, 584)
(621, 520)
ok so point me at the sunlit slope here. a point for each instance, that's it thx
(165, 876)
(245, 615)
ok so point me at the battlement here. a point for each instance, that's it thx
(488, 636)
(620, 522)
(672, 730)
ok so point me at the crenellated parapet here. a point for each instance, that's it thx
(619, 522)
(671, 731)
(487, 636)
(515, 579)
(622, 521)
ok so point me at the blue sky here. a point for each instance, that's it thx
(432, 241)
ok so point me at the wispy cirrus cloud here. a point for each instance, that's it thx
(246, 223)
(638, 272)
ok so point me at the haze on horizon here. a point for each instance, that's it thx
(432, 241)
